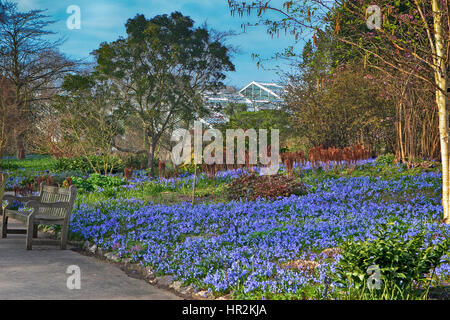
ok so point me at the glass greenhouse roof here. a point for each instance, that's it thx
(257, 95)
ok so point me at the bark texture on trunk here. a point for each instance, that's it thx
(20, 147)
(441, 101)
(150, 160)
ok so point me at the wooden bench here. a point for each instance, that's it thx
(53, 206)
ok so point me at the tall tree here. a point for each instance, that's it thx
(29, 62)
(161, 70)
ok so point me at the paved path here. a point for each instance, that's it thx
(41, 274)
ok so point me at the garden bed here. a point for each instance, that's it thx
(239, 248)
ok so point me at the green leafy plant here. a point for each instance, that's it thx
(386, 159)
(96, 181)
(87, 164)
(6, 165)
(405, 265)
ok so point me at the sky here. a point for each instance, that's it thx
(104, 21)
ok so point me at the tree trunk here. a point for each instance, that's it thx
(443, 131)
(441, 82)
(150, 160)
(20, 148)
(401, 150)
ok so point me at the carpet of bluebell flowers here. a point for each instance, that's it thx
(241, 247)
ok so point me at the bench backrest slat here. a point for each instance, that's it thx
(51, 194)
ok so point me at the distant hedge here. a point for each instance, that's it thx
(83, 164)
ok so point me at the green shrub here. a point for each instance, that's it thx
(404, 265)
(71, 164)
(84, 164)
(96, 181)
(7, 165)
(387, 159)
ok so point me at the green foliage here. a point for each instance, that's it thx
(233, 108)
(387, 159)
(72, 164)
(96, 181)
(264, 119)
(32, 162)
(6, 165)
(404, 263)
(85, 164)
